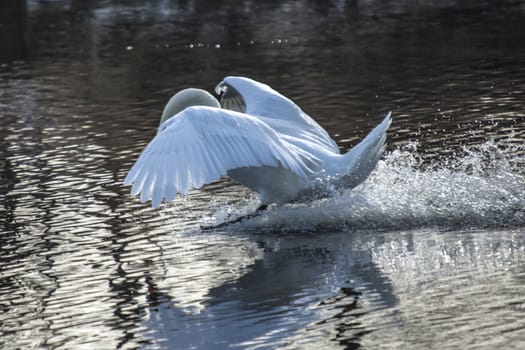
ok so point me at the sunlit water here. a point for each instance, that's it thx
(429, 252)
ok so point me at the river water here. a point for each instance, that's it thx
(429, 252)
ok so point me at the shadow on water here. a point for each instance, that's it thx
(427, 253)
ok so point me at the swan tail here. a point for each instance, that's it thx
(361, 160)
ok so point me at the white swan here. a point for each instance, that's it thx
(259, 138)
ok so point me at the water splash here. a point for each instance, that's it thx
(481, 186)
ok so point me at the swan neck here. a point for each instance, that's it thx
(187, 98)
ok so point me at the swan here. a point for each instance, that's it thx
(259, 138)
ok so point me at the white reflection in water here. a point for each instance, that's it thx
(446, 290)
(195, 264)
(311, 290)
(454, 291)
(179, 286)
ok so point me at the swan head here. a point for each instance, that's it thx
(187, 98)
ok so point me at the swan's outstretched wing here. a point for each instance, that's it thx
(200, 144)
(279, 112)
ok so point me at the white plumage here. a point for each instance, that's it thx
(259, 138)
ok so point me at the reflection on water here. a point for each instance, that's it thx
(429, 252)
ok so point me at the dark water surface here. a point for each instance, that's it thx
(427, 253)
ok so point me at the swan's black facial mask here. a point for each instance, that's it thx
(230, 98)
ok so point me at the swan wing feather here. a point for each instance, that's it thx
(278, 111)
(361, 160)
(199, 145)
(372, 146)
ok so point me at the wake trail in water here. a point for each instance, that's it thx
(482, 187)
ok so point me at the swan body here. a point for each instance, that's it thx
(258, 137)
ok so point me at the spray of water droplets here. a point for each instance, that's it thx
(483, 186)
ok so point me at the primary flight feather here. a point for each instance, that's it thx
(258, 137)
